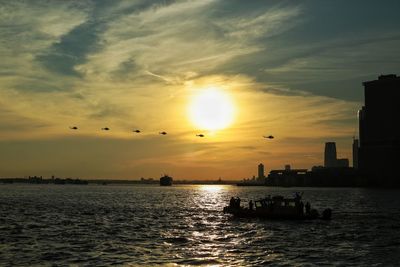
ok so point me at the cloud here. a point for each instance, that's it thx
(283, 91)
(10, 123)
(136, 64)
(336, 67)
(271, 22)
(182, 37)
(27, 31)
(71, 50)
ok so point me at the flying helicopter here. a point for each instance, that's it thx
(163, 133)
(200, 135)
(73, 128)
(136, 131)
(105, 129)
(269, 136)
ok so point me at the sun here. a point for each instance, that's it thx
(211, 109)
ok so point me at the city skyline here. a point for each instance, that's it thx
(292, 71)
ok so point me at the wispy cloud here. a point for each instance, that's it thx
(136, 64)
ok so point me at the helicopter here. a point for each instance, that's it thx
(269, 136)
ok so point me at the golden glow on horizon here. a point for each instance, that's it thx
(211, 109)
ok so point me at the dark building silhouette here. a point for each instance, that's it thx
(261, 174)
(330, 160)
(379, 151)
(260, 180)
(287, 177)
(318, 176)
(342, 163)
(355, 153)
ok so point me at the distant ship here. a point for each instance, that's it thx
(166, 180)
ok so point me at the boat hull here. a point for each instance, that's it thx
(166, 180)
(265, 214)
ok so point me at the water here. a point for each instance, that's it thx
(183, 225)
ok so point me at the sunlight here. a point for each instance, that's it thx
(211, 109)
(211, 188)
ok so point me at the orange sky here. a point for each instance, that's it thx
(140, 64)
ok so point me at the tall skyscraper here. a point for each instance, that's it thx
(330, 155)
(355, 153)
(379, 152)
(261, 171)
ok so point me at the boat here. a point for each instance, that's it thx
(276, 207)
(166, 180)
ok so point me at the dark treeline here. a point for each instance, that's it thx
(41, 180)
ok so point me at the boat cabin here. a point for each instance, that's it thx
(279, 205)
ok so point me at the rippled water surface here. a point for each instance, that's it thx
(183, 225)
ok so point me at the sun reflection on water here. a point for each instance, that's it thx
(211, 196)
(212, 188)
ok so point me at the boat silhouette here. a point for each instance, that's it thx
(166, 180)
(276, 207)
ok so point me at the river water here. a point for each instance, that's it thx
(133, 225)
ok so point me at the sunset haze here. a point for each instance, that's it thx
(290, 69)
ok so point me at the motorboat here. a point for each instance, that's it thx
(276, 207)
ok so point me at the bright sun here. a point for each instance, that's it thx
(211, 109)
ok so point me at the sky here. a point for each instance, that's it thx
(291, 69)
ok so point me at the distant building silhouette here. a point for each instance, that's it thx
(379, 152)
(259, 180)
(355, 153)
(318, 176)
(342, 163)
(330, 160)
(261, 174)
(286, 177)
